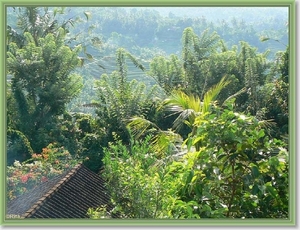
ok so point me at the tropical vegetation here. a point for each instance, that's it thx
(183, 117)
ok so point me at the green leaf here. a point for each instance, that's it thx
(254, 204)
(206, 208)
(261, 133)
(193, 179)
(263, 38)
(88, 15)
(90, 57)
(272, 191)
(255, 171)
(197, 139)
(189, 177)
(198, 190)
(189, 211)
(247, 195)
(273, 161)
(254, 190)
(233, 156)
(221, 157)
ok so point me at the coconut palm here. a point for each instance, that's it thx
(188, 107)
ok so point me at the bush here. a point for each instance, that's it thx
(23, 176)
(18, 146)
(231, 170)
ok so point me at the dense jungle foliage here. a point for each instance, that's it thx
(184, 114)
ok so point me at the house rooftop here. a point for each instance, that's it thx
(69, 195)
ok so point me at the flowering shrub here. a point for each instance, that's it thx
(23, 176)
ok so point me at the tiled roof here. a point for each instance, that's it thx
(66, 196)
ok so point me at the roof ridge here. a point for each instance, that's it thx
(51, 192)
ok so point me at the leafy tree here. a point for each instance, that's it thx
(42, 83)
(195, 52)
(168, 73)
(275, 94)
(251, 73)
(234, 174)
(205, 61)
(141, 195)
(239, 153)
(91, 140)
(229, 167)
(18, 146)
(120, 99)
(38, 22)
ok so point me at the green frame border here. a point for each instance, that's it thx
(143, 222)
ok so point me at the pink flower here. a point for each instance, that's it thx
(24, 178)
(30, 175)
(43, 179)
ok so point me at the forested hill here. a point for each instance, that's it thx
(153, 31)
(162, 27)
(253, 15)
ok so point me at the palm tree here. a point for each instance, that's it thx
(188, 108)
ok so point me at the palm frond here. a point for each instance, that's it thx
(135, 61)
(28, 18)
(207, 41)
(139, 126)
(212, 93)
(180, 101)
(243, 90)
(187, 106)
(165, 142)
(184, 116)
